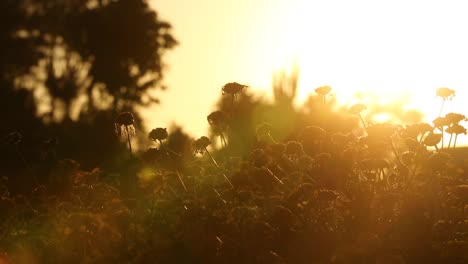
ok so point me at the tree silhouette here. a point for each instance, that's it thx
(69, 67)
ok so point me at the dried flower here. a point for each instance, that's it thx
(440, 122)
(455, 118)
(158, 134)
(201, 144)
(323, 90)
(217, 118)
(294, 148)
(233, 88)
(456, 129)
(357, 109)
(445, 93)
(432, 139)
(126, 121)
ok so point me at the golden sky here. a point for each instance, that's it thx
(386, 48)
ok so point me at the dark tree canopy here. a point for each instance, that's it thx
(68, 67)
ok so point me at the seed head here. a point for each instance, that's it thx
(158, 134)
(125, 119)
(233, 88)
(357, 109)
(445, 93)
(456, 129)
(323, 90)
(432, 139)
(217, 118)
(201, 144)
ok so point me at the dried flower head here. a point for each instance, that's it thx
(125, 127)
(445, 93)
(357, 109)
(294, 148)
(201, 144)
(441, 122)
(312, 133)
(323, 90)
(432, 139)
(217, 118)
(455, 118)
(158, 134)
(233, 88)
(125, 119)
(456, 129)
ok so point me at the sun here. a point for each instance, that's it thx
(366, 53)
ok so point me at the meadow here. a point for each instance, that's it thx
(333, 188)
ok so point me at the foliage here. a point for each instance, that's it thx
(327, 193)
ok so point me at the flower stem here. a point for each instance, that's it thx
(128, 139)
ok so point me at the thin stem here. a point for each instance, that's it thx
(450, 141)
(455, 143)
(212, 159)
(128, 139)
(395, 152)
(442, 107)
(181, 181)
(442, 129)
(363, 122)
(215, 163)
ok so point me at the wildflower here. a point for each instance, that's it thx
(445, 94)
(455, 118)
(441, 122)
(233, 88)
(456, 130)
(263, 132)
(432, 140)
(357, 109)
(201, 144)
(218, 119)
(323, 91)
(158, 134)
(322, 159)
(312, 133)
(126, 121)
(294, 148)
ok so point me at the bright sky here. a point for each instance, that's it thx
(383, 47)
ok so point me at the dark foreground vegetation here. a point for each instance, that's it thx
(336, 189)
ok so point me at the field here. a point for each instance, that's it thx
(367, 193)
